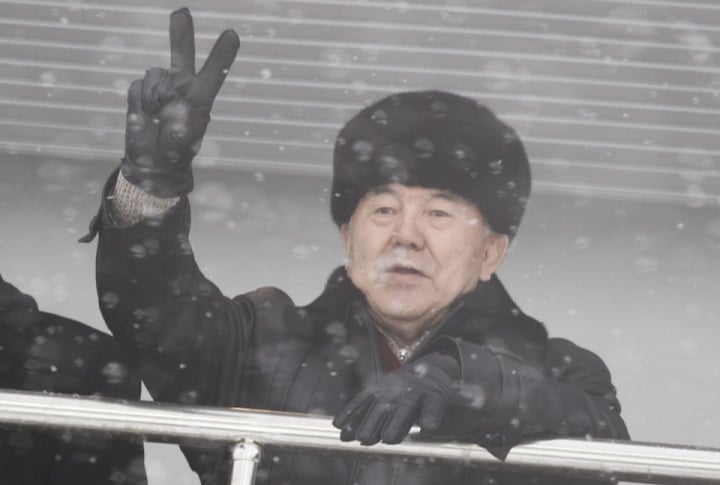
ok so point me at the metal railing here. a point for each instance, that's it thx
(250, 430)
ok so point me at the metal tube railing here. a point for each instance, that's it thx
(246, 457)
(252, 429)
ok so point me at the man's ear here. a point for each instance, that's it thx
(345, 237)
(496, 247)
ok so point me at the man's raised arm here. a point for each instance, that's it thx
(152, 294)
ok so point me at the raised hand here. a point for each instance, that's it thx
(169, 110)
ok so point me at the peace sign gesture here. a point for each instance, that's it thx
(169, 110)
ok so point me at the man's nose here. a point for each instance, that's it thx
(407, 232)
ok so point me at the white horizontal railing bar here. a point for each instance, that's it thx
(379, 89)
(406, 6)
(314, 123)
(413, 49)
(374, 88)
(364, 24)
(459, 8)
(88, 154)
(325, 169)
(560, 142)
(629, 125)
(282, 61)
(646, 463)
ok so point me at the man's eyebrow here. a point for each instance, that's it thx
(446, 195)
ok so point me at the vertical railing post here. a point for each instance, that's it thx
(245, 456)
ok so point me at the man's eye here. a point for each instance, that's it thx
(439, 213)
(385, 210)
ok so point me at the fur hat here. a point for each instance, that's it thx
(433, 139)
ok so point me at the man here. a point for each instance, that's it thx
(40, 351)
(428, 190)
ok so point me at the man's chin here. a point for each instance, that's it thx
(405, 312)
(407, 324)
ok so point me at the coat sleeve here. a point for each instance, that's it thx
(504, 399)
(41, 351)
(17, 312)
(183, 334)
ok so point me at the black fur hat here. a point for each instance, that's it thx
(433, 139)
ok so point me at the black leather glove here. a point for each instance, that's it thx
(418, 392)
(169, 110)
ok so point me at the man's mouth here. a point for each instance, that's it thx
(400, 269)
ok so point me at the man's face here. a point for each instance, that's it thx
(413, 250)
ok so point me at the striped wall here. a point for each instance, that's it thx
(613, 98)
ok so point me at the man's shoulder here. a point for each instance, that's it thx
(276, 315)
(560, 347)
(266, 297)
(570, 361)
(332, 303)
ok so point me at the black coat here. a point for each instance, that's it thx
(40, 351)
(260, 350)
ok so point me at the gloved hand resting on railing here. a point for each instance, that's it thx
(418, 392)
